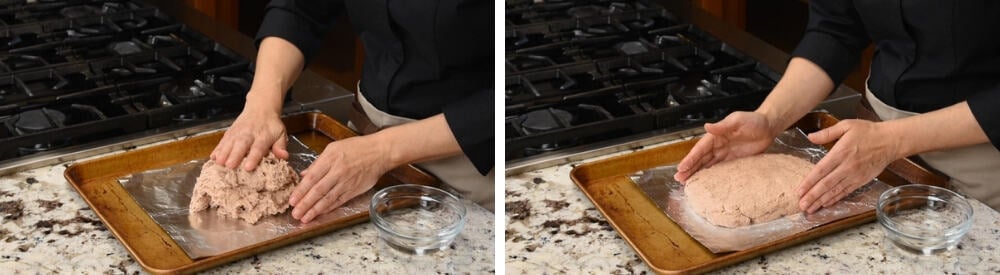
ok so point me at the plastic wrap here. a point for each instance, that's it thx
(166, 193)
(668, 194)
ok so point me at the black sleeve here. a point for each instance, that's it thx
(834, 38)
(471, 122)
(984, 108)
(301, 22)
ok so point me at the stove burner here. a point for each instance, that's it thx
(126, 48)
(189, 117)
(699, 117)
(41, 147)
(135, 23)
(39, 120)
(632, 48)
(545, 120)
(584, 11)
(641, 24)
(78, 11)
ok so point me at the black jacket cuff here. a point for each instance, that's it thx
(471, 122)
(984, 108)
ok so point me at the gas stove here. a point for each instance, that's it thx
(582, 75)
(80, 71)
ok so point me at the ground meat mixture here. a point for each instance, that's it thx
(748, 190)
(245, 195)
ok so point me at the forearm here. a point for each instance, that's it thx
(279, 63)
(422, 140)
(947, 128)
(802, 87)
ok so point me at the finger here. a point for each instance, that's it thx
(239, 150)
(826, 190)
(310, 176)
(725, 126)
(318, 190)
(337, 204)
(328, 201)
(705, 161)
(342, 200)
(280, 147)
(711, 159)
(222, 150)
(829, 134)
(700, 149)
(822, 169)
(691, 164)
(257, 152)
(322, 205)
(840, 194)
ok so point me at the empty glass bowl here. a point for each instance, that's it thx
(924, 219)
(417, 219)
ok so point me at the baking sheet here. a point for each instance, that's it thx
(166, 193)
(668, 195)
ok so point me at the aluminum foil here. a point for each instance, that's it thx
(668, 194)
(165, 194)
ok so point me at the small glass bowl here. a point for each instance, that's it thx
(924, 219)
(417, 219)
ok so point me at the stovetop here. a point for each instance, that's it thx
(586, 72)
(76, 72)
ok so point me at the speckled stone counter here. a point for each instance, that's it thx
(553, 228)
(45, 227)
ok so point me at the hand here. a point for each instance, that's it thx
(346, 169)
(738, 135)
(865, 148)
(252, 135)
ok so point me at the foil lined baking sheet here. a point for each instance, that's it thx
(668, 194)
(166, 193)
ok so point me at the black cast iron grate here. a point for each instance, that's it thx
(579, 72)
(76, 72)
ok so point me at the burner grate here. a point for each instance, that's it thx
(78, 71)
(599, 70)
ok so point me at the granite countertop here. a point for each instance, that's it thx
(553, 228)
(46, 227)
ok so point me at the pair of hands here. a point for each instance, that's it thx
(345, 169)
(864, 149)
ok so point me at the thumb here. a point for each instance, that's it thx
(280, 147)
(829, 134)
(722, 127)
